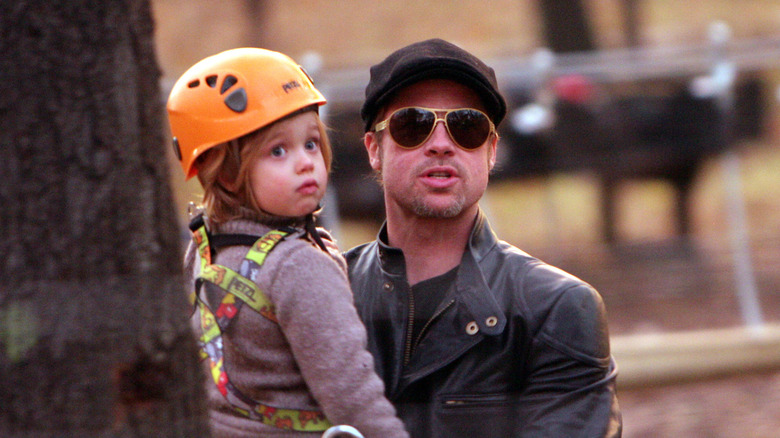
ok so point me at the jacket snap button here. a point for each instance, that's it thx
(472, 328)
(491, 321)
(388, 286)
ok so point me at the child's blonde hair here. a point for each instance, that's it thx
(223, 172)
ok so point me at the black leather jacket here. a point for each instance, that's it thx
(517, 348)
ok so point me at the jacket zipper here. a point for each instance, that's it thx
(430, 321)
(475, 400)
(409, 330)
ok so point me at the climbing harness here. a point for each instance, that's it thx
(227, 290)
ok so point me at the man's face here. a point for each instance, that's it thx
(437, 179)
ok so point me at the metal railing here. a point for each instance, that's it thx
(612, 65)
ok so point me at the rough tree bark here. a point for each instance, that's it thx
(93, 333)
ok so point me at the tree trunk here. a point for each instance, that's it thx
(565, 26)
(257, 33)
(632, 22)
(94, 339)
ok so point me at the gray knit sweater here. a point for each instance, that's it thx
(314, 358)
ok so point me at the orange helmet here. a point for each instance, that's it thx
(231, 94)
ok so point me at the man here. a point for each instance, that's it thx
(473, 337)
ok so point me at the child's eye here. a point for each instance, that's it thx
(311, 145)
(278, 151)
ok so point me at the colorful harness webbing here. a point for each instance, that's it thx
(223, 285)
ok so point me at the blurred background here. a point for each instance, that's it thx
(640, 153)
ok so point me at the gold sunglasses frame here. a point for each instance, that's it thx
(385, 124)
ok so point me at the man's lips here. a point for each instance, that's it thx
(440, 172)
(439, 176)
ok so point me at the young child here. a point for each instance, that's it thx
(286, 350)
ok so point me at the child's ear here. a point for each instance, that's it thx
(228, 181)
(228, 173)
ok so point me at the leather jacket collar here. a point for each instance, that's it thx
(481, 241)
(471, 291)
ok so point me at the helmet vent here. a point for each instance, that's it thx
(194, 83)
(229, 81)
(237, 100)
(212, 81)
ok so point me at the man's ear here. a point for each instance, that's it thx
(371, 141)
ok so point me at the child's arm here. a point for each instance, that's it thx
(316, 313)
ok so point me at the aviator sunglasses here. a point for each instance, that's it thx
(411, 126)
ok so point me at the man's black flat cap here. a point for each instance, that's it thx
(431, 59)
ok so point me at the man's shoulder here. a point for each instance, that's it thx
(564, 309)
(354, 253)
(533, 269)
(540, 285)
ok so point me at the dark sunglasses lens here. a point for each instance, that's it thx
(470, 128)
(409, 127)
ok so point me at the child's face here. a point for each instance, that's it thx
(288, 175)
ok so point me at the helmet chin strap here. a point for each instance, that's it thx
(311, 229)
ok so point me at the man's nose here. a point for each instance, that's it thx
(440, 141)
